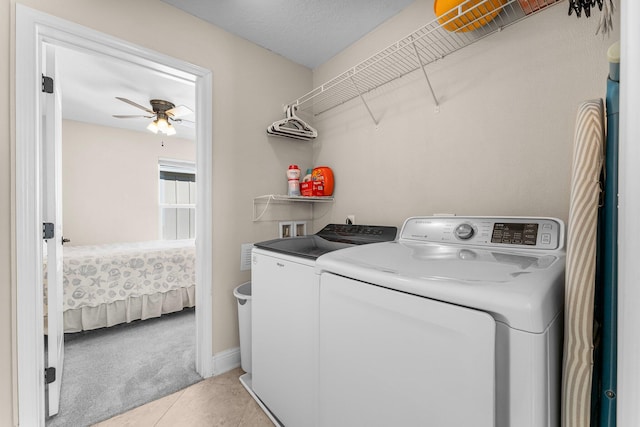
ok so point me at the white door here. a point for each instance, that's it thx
(388, 358)
(52, 213)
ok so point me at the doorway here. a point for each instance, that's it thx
(33, 30)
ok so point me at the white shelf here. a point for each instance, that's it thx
(420, 48)
(267, 199)
(283, 198)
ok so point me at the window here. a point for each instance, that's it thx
(177, 197)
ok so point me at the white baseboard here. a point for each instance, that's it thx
(226, 360)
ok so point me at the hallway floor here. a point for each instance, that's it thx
(216, 401)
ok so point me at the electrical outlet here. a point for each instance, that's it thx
(351, 219)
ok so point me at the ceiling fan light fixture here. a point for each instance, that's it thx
(153, 126)
(164, 111)
(163, 124)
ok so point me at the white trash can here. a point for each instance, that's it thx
(243, 294)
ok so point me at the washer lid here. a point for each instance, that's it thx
(310, 247)
(331, 238)
(521, 289)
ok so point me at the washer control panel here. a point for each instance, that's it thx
(506, 232)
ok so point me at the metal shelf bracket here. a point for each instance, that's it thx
(424, 71)
(363, 101)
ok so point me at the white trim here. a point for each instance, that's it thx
(173, 165)
(628, 394)
(30, 352)
(226, 360)
(32, 29)
(204, 225)
(176, 206)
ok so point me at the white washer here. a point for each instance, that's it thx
(457, 323)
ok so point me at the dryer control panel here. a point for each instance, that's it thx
(507, 232)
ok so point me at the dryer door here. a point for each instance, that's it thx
(284, 337)
(389, 358)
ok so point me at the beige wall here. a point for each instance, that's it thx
(501, 143)
(110, 182)
(250, 85)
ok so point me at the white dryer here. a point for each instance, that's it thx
(285, 318)
(457, 323)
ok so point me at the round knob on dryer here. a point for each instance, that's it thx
(464, 231)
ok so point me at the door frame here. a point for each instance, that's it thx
(628, 377)
(33, 28)
(52, 212)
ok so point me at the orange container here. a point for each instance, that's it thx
(325, 175)
(469, 14)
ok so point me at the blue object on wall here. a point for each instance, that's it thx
(606, 297)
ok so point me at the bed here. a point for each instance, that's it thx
(105, 285)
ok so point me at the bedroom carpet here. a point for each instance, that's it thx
(111, 370)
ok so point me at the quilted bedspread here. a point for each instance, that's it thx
(102, 274)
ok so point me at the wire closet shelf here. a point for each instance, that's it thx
(419, 49)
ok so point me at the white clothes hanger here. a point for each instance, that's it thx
(292, 126)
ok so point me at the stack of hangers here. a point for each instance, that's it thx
(292, 127)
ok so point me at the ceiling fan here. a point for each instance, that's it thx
(164, 112)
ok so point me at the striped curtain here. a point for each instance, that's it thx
(588, 156)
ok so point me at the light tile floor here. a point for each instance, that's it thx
(216, 401)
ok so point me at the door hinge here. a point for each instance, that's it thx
(49, 375)
(47, 84)
(47, 230)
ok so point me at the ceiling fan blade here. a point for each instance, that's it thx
(179, 111)
(135, 104)
(183, 122)
(120, 116)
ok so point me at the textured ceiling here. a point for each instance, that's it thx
(308, 32)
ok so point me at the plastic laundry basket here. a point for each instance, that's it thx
(243, 294)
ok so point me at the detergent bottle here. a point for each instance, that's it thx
(293, 176)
